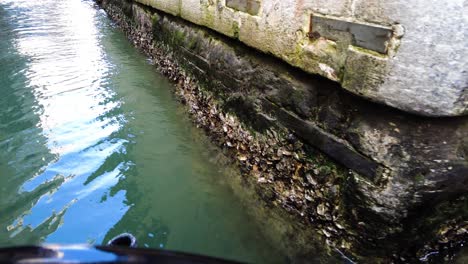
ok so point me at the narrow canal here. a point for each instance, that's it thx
(93, 143)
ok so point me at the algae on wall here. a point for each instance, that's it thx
(385, 37)
(398, 166)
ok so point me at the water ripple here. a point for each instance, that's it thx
(63, 114)
(92, 143)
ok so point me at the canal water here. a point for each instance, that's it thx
(93, 143)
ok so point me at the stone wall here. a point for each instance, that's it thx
(409, 55)
(394, 181)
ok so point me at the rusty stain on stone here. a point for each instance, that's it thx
(372, 37)
(313, 35)
(248, 6)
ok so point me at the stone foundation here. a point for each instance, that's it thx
(374, 181)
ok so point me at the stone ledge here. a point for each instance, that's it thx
(405, 79)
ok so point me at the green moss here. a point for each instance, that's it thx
(155, 19)
(178, 37)
(305, 59)
(370, 52)
(192, 43)
(208, 16)
(363, 73)
(298, 52)
(180, 8)
(235, 30)
(419, 179)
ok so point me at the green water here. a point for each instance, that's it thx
(93, 144)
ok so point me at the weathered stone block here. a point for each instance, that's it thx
(372, 37)
(425, 68)
(249, 6)
(211, 14)
(404, 163)
(363, 72)
(169, 6)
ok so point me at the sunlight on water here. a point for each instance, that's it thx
(92, 143)
(66, 75)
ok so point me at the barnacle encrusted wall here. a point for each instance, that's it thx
(367, 176)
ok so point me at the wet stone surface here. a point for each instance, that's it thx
(384, 209)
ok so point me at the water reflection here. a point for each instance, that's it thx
(65, 74)
(92, 143)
